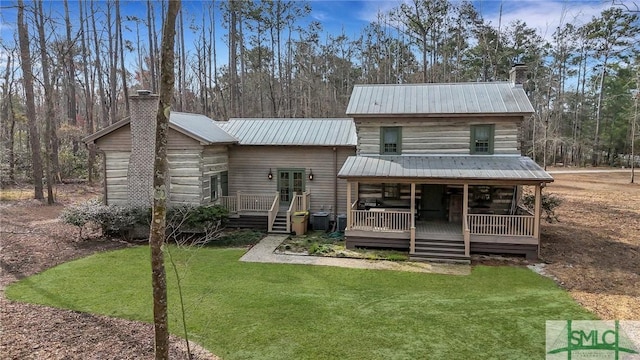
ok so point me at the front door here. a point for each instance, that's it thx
(433, 206)
(290, 183)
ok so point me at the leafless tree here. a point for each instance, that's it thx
(159, 211)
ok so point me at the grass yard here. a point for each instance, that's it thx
(277, 311)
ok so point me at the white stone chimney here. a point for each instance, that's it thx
(518, 74)
(144, 108)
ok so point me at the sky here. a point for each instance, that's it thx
(348, 16)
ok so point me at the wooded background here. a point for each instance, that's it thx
(66, 75)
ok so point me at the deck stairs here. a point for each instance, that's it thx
(280, 223)
(441, 248)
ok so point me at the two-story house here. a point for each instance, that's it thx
(438, 170)
(432, 168)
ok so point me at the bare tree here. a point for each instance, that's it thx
(159, 218)
(103, 98)
(48, 99)
(27, 76)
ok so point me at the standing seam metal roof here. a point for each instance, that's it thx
(477, 167)
(200, 126)
(287, 131)
(451, 98)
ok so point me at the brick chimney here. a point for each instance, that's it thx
(518, 74)
(144, 108)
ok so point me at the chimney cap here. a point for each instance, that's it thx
(144, 92)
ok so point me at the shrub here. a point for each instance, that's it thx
(120, 220)
(197, 216)
(320, 249)
(549, 204)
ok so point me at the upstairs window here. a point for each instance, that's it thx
(390, 140)
(482, 139)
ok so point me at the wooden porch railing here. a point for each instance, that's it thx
(382, 221)
(273, 212)
(254, 202)
(299, 202)
(248, 202)
(506, 225)
(230, 203)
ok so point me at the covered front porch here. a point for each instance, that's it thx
(268, 211)
(443, 209)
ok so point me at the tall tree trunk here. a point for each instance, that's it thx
(125, 90)
(27, 75)
(113, 65)
(152, 48)
(103, 98)
(233, 57)
(158, 223)
(183, 65)
(48, 99)
(7, 118)
(71, 75)
(88, 96)
(596, 141)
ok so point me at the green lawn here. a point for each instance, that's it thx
(276, 311)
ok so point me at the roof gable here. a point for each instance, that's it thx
(494, 98)
(195, 126)
(287, 131)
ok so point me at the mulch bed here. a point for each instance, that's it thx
(33, 240)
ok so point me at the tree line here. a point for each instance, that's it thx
(71, 66)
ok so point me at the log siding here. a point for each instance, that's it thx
(438, 135)
(191, 166)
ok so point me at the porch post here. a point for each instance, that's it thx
(356, 190)
(304, 201)
(538, 203)
(348, 227)
(238, 200)
(412, 248)
(465, 219)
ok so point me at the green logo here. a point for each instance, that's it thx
(585, 339)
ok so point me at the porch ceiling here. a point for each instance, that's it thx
(512, 169)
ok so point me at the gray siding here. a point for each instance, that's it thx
(249, 166)
(120, 140)
(438, 135)
(117, 185)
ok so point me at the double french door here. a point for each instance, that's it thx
(290, 183)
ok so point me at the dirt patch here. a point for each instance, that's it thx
(594, 251)
(33, 240)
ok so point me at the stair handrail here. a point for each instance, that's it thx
(273, 211)
(289, 211)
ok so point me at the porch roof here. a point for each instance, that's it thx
(514, 169)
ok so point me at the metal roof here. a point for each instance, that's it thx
(287, 131)
(472, 167)
(199, 127)
(434, 99)
(196, 126)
